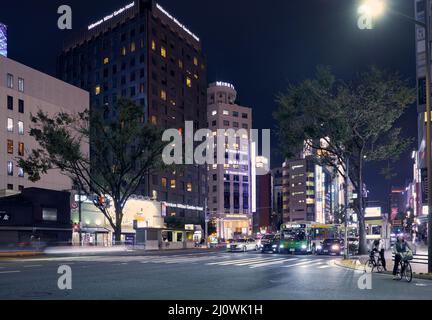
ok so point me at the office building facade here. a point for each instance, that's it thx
(143, 53)
(230, 184)
(25, 91)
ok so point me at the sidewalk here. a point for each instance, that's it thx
(420, 271)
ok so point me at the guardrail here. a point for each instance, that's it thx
(418, 258)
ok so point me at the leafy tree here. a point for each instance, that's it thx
(343, 121)
(124, 150)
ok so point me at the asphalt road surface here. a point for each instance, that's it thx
(198, 276)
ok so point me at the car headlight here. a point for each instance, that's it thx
(281, 246)
(319, 247)
(335, 247)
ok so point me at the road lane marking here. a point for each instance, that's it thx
(225, 263)
(262, 261)
(34, 266)
(276, 261)
(324, 267)
(307, 261)
(5, 272)
(312, 265)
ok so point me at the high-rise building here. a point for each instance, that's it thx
(420, 11)
(397, 202)
(263, 217)
(277, 197)
(231, 185)
(144, 53)
(308, 191)
(25, 91)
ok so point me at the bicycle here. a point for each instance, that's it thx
(406, 266)
(373, 263)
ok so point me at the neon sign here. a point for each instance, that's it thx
(112, 15)
(177, 22)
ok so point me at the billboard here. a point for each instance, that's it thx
(3, 40)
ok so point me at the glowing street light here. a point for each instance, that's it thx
(372, 8)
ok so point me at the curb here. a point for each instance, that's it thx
(349, 264)
(19, 254)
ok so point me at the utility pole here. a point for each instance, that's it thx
(206, 222)
(428, 132)
(79, 214)
(346, 244)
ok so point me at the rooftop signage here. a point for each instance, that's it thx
(224, 84)
(112, 15)
(177, 22)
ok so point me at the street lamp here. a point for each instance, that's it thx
(374, 8)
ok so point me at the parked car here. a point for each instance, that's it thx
(242, 245)
(265, 240)
(332, 246)
(271, 245)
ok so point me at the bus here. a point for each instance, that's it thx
(305, 237)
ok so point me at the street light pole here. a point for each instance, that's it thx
(206, 223)
(346, 244)
(428, 132)
(425, 26)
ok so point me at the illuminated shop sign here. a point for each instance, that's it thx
(224, 84)
(112, 15)
(3, 40)
(183, 206)
(177, 22)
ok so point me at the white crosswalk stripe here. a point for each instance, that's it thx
(252, 262)
(271, 263)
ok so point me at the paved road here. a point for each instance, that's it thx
(199, 276)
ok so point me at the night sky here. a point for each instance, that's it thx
(259, 46)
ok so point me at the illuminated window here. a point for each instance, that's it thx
(10, 147)
(195, 61)
(173, 184)
(21, 128)
(132, 47)
(164, 182)
(153, 45)
(21, 149)
(153, 120)
(189, 187)
(10, 168)
(163, 52)
(106, 60)
(20, 84)
(226, 113)
(188, 82)
(10, 125)
(180, 64)
(214, 113)
(98, 90)
(21, 172)
(10, 80)
(163, 95)
(123, 51)
(142, 88)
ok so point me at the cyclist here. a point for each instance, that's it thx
(401, 248)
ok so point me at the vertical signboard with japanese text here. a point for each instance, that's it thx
(3, 40)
